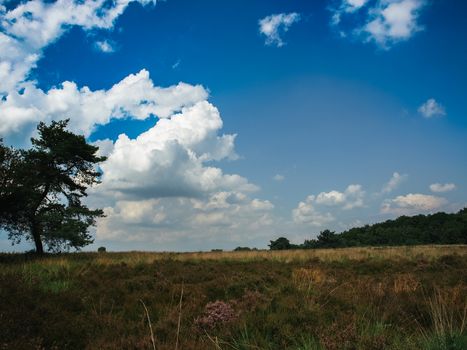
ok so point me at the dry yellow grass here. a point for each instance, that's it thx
(286, 256)
(406, 283)
(428, 252)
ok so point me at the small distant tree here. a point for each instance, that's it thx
(41, 189)
(281, 243)
(101, 250)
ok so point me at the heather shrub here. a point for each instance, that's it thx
(215, 314)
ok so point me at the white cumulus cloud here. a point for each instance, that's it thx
(431, 108)
(413, 203)
(310, 210)
(168, 159)
(135, 96)
(394, 21)
(385, 22)
(351, 198)
(437, 187)
(306, 213)
(273, 26)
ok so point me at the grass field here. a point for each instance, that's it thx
(356, 298)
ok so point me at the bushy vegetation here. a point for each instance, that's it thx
(439, 228)
(356, 298)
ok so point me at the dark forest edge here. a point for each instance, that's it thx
(439, 228)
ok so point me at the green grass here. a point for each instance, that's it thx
(390, 298)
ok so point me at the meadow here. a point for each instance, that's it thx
(353, 298)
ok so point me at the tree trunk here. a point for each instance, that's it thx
(36, 235)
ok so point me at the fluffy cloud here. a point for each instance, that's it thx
(394, 21)
(330, 198)
(413, 203)
(272, 27)
(351, 198)
(385, 22)
(16, 60)
(29, 27)
(135, 96)
(308, 212)
(168, 159)
(431, 109)
(393, 182)
(438, 188)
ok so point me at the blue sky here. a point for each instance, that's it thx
(345, 112)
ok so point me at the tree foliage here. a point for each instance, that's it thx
(281, 243)
(42, 187)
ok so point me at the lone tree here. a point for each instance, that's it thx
(41, 189)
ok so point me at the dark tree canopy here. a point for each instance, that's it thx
(281, 243)
(42, 187)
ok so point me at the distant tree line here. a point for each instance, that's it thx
(244, 249)
(439, 228)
